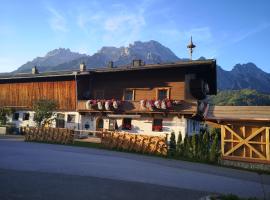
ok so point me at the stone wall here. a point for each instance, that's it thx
(246, 165)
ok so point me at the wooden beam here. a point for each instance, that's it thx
(244, 135)
(267, 144)
(256, 151)
(222, 138)
(245, 141)
(233, 133)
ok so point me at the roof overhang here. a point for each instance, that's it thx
(239, 114)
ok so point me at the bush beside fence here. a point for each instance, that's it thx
(203, 147)
(50, 135)
(135, 143)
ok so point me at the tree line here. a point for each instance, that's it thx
(245, 97)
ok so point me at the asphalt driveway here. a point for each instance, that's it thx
(46, 171)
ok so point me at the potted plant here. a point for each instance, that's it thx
(143, 104)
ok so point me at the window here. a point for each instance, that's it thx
(162, 94)
(99, 124)
(126, 125)
(113, 125)
(71, 118)
(16, 116)
(157, 125)
(26, 116)
(99, 94)
(60, 121)
(129, 95)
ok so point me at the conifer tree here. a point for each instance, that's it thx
(179, 144)
(172, 144)
(189, 147)
(194, 146)
(214, 149)
(200, 146)
(186, 147)
(205, 146)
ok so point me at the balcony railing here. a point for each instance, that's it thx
(135, 107)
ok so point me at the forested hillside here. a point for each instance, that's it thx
(244, 97)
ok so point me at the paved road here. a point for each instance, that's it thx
(31, 170)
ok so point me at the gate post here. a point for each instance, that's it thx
(222, 139)
(267, 143)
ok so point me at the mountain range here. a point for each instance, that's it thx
(242, 76)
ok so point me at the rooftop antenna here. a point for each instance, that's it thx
(191, 46)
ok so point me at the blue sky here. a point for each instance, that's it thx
(230, 31)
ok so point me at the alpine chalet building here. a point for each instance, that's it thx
(154, 99)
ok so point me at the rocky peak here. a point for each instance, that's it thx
(59, 51)
(246, 68)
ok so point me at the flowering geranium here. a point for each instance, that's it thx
(100, 104)
(108, 104)
(90, 104)
(143, 104)
(150, 104)
(126, 127)
(157, 104)
(168, 103)
(157, 128)
(163, 104)
(116, 103)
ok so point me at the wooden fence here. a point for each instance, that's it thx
(138, 143)
(245, 143)
(51, 135)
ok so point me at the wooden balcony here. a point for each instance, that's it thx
(135, 107)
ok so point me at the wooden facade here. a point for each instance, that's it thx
(144, 85)
(21, 95)
(71, 89)
(244, 132)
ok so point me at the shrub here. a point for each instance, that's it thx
(205, 146)
(200, 146)
(214, 132)
(179, 145)
(44, 111)
(214, 150)
(172, 143)
(194, 146)
(4, 112)
(188, 147)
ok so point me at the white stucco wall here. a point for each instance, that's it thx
(142, 125)
(20, 122)
(89, 120)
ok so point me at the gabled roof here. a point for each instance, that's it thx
(181, 64)
(238, 113)
(208, 68)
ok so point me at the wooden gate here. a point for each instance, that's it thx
(245, 143)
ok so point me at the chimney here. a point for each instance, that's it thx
(82, 67)
(34, 70)
(110, 64)
(137, 63)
